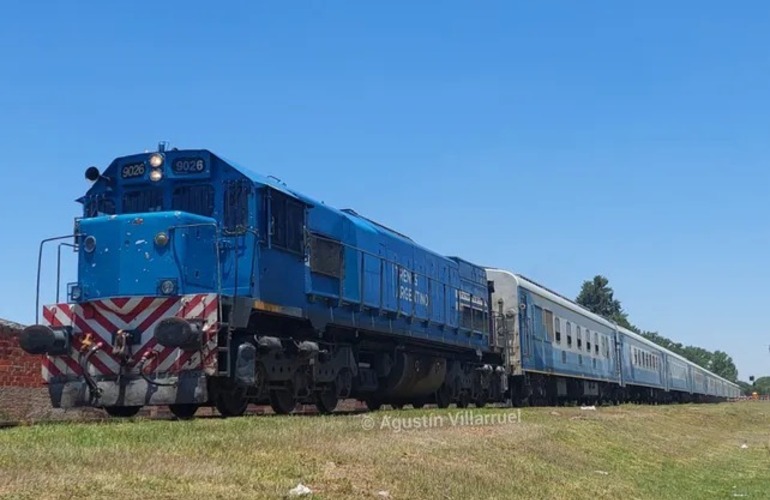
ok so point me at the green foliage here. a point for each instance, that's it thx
(761, 385)
(598, 297)
(746, 388)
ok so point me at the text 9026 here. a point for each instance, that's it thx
(189, 166)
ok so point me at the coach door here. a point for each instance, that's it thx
(618, 358)
(527, 329)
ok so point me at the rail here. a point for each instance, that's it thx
(40, 267)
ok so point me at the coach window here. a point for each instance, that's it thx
(579, 339)
(194, 199)
(596, 343)
(548, 321)
(569, 334)
(557, 326)
(580, 359)
(588, 341)
(564, 357)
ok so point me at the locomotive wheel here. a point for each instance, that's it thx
(282, 401)
(183, 411)
(373, 404)
(419, 405)
(232, 402)
(326, 400)
(443, 398)
(464, 400)
(122, 411)
(480, 402)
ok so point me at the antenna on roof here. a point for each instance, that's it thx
(162, 145)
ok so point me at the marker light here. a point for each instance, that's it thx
(89, 244)
(156, 160)
(161, 239)
(76, 293)
(156, 175)
(167, 287)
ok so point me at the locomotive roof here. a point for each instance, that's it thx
(358, 219)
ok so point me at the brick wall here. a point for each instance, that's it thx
(17, 368)
(22, 394)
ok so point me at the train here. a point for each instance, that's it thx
(203, 284)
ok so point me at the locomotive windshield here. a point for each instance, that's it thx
(143, 200)
(195, 199)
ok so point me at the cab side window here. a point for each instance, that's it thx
(236, 209)
(287, 222)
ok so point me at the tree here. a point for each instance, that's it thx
(746, 388)
(762, 385)
(723, 365)
(597, 296)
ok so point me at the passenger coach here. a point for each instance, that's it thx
(563, 352)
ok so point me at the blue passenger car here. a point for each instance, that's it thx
(563, 352)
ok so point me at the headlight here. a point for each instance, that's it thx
(167, 287)
(156, 175)
(161, 239)
(89, 244)
(156, 160)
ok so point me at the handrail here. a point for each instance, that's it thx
(58, 266)
(39, 268)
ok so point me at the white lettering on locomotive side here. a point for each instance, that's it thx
(408, 289)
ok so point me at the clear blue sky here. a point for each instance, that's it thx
(556, 139)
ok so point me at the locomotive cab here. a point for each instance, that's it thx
(161, 239)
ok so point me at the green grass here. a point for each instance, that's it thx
(678, 452)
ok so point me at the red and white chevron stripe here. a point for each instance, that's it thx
(103, 318)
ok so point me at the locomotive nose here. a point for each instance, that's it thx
(41, 339)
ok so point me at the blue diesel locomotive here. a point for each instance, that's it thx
(200, 283)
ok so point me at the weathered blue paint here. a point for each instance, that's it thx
(383, 281)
